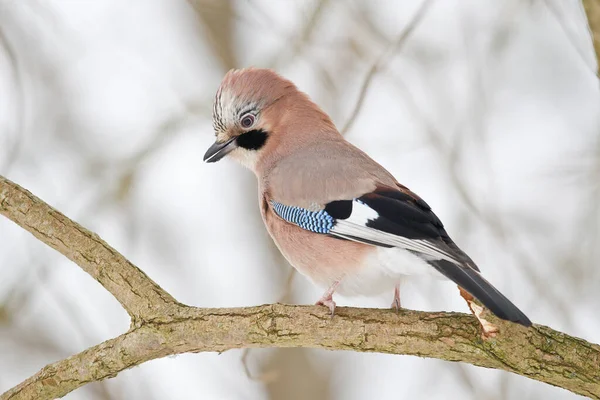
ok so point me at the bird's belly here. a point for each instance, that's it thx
(321, 258)
(361, 269)
(382, 269)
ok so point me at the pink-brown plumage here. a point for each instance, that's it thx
(322, 259)
(338, 216)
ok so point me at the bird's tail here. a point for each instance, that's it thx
(472, 281)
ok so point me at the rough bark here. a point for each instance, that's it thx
(161, 326)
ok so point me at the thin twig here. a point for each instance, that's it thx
(382, 60)
(12, 152)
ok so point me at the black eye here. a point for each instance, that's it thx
(247, 120)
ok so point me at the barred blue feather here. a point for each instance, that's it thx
(314, 221)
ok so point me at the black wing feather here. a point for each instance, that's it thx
(412, 220)
(481, 289)
(402, 213)
(407, 215)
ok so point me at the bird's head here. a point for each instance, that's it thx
(257, 112)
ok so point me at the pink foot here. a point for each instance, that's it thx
(488, 330)
(327, 299)
(328, 303)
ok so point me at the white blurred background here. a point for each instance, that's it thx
(490, 111)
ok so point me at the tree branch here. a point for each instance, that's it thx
(138, 294)
(538, 353)
(161, 326)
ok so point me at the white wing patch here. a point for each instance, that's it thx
(361, 213)
(355, 228)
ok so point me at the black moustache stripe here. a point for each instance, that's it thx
(252, 140)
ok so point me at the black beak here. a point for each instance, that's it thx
(219, 150)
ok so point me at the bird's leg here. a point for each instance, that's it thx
(396, 303)
(488, 330)
(327, 299)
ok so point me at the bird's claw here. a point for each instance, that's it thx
(327, 299)
(396, 305)
(488, 330)
(327, 302)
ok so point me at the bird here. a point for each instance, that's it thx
(338, 217)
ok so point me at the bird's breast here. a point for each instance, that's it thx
(320, 257)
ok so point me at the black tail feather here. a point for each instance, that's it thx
(472, 281)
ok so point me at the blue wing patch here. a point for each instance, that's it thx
(314, 221)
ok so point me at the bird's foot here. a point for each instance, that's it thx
(396, 302)
(488, 330)
(327, 302)
(327, 299)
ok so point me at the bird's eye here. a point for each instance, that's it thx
(247, 120)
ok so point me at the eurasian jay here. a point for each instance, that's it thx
(337, 216)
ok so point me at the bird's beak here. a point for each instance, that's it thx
(220, 150)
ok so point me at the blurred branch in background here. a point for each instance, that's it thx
(592, 11)
(216, 18)
(559, 15)
(381, 61)
(11, 150)
(299, 42)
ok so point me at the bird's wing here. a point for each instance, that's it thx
(386, 217)
(396, 217)
(340, 187)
